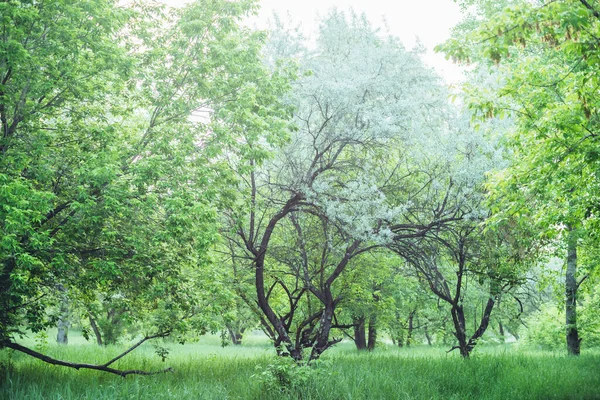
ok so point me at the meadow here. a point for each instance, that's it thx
(205, 370)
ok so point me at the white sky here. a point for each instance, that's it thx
(428, 20)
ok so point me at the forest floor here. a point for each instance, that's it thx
(205, 370)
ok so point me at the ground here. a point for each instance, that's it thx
(205, 370)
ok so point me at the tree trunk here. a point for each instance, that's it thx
(96, 330)
(458, 318)
(409, 332)
(7, 308)
(360, 339)
(513, 333)
(573, 340)
(322, 342)
(236, 336)
(62, 334)
(427, 336)
(501, 330)
(398, 333)
(63, 318)
(372, 332)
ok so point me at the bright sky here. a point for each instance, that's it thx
(428, 20)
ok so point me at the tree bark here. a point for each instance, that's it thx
(7, 308)
(360, 339)
(322, 342)
(98, 367)
(279, 329)
(96, 330)
(513, 333)
(236, 335)
(458, 318)
(62, 335)
(573, 340)
(427, 335)
(409, 332)
(372, 332)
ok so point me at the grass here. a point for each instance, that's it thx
(204, 370)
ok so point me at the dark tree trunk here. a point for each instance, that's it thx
(96, 330)
(513, 333)
(271, 322)
(409, 332)
(465, 344)
(573, 340)
(398, 334)
(62, 325)
(501, 330)
(236, 335)
(427, 336)
(322, 342)
(7, 308)
(458, 318)
(277, 326)
(360, 338)
(372, 333)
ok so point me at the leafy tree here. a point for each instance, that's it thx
(458, 253)
(367, 303)
(107, 185)
(359, 95)
(549, 79)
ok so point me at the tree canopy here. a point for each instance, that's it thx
(170, 171)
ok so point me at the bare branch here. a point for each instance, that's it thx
(104, 367)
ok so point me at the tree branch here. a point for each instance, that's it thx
(589, 7)
(103, 367)
(135, 346)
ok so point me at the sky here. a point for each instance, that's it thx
(428, 20)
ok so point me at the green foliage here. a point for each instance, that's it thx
(108, 184)
(546, 78)
(546, 328)
(545, 88)
(285, 377)
(589, 320)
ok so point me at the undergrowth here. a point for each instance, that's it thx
(204, 370)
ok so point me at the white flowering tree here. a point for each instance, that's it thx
(362, 104)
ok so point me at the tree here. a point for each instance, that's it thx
(465, 272)
(359, 95)
(455, 252)
(549, 89)
(107, 185)
(366, 302)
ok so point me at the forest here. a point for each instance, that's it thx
(191, 207)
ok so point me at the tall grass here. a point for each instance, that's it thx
(204, 370)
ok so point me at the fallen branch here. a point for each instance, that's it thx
(98, 367)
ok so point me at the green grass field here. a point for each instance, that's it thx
(204, 370)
